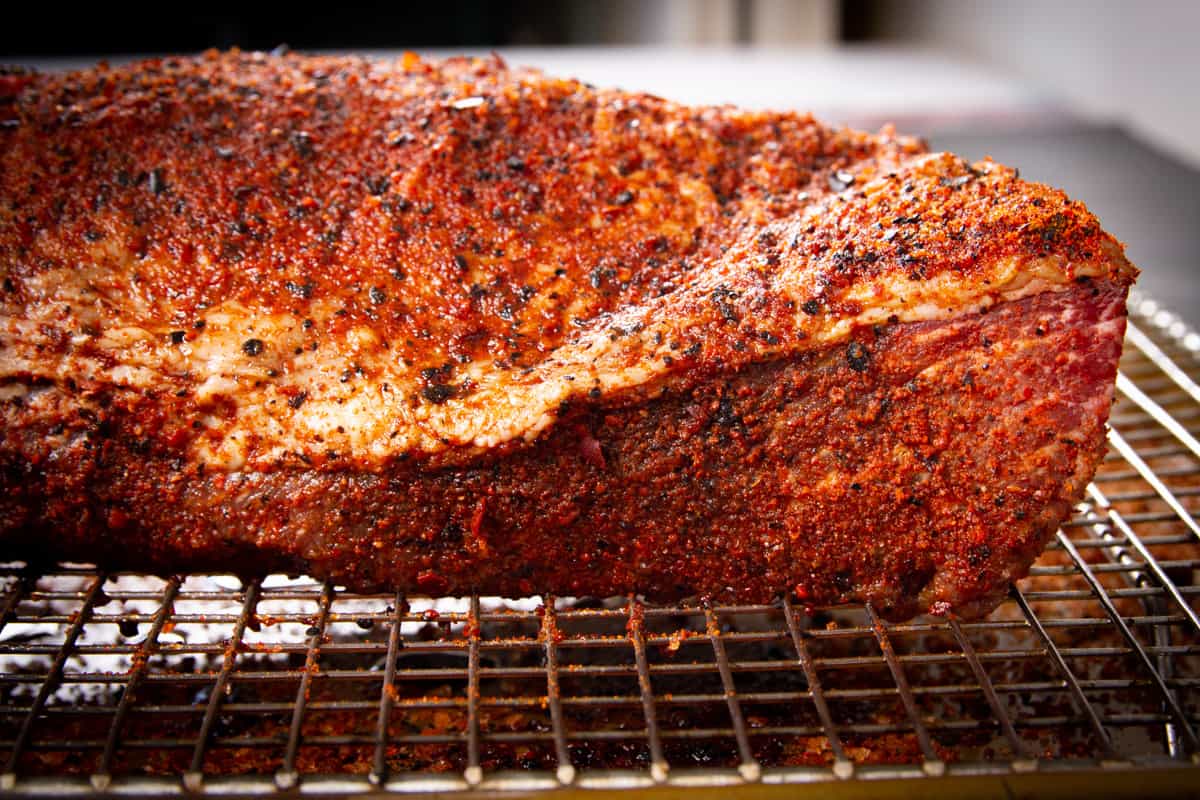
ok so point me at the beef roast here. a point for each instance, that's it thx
(449, 327)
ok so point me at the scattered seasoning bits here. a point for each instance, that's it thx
(461, 263)
(177, 337)
(515, 164)
(301, 290)
(224, 152)
(624, 198)
(841, 180)
(594, 392)
(302, 142)
(378, 296)
(723, 298)
(467, 103)
(377, 186)
(252, 347)
(298, 400)
(811, 307)
(858, 357)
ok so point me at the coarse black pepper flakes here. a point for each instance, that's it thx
(301, 290)
(252, 347)
(377, 186)
(858, 357)
(302, 142)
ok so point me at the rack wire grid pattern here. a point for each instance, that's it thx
(203, 684)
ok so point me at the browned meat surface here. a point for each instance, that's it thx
(454, 327)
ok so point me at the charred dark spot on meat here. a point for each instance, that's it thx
(858, 357)
(439, 393)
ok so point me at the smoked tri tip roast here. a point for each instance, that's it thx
(452, 327)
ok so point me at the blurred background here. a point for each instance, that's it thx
(1097, 97)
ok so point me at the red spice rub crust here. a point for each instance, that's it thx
(479, 222)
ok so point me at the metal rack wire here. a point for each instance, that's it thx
(205, 684)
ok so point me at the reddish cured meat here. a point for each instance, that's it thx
(450, 327)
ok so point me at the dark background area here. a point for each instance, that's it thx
(105, 29)
(100, 29)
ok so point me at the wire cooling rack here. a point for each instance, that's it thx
(126, 684)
